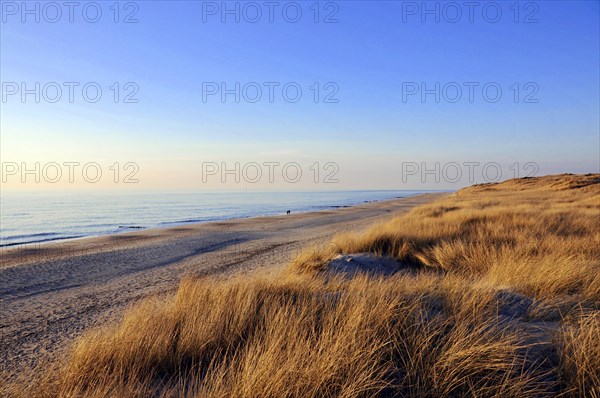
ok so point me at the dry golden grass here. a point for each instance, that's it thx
(500, 298)
(580, 355)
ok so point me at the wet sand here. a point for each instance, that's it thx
(51, 293)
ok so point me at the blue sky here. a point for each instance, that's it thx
(374, 48)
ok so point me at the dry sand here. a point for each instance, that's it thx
(50, 294)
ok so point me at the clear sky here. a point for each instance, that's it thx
(367, 58)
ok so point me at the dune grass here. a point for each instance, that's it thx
(500, 298)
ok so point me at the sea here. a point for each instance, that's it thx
(33, 217)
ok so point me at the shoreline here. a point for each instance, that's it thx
(8, 251)
(124, 229)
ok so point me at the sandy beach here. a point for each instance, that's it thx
(50, 294)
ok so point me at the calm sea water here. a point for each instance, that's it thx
(34, 217)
